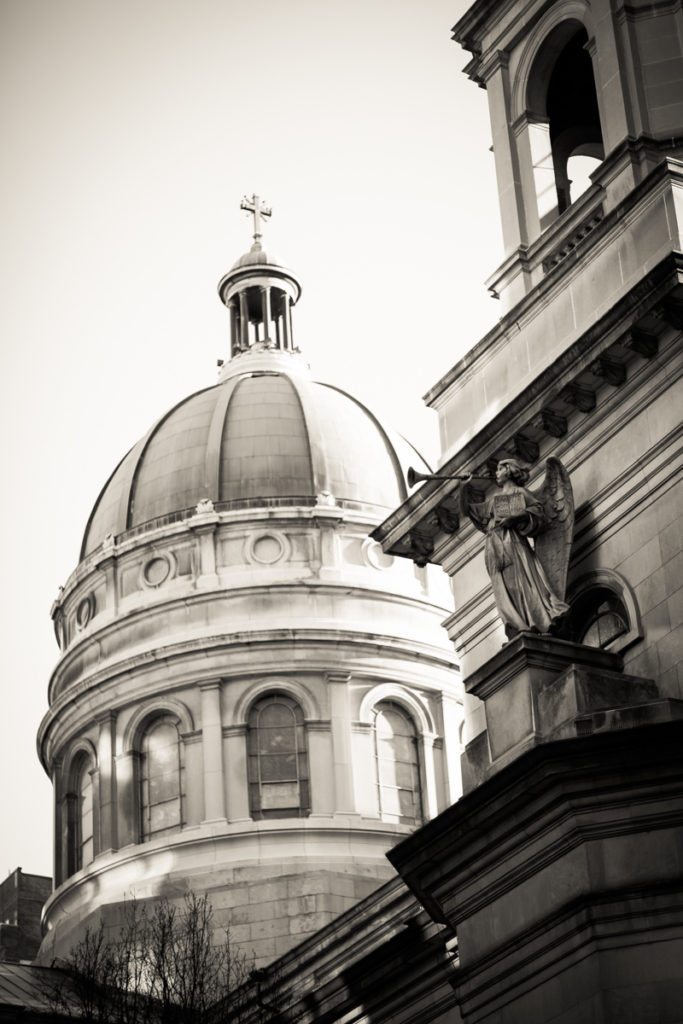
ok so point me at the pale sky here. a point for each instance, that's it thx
(131, 130)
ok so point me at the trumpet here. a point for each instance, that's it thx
(414, 477)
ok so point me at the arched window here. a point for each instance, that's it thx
(598, 618)
(162, 779)
(80, 813)
(277, 759)
(564, 119)
(397, 765)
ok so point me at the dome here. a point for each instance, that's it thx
(263, 438)
(256, 257)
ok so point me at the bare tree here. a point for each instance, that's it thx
(162, 967)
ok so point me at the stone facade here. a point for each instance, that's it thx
(559, 870)
(21, 901)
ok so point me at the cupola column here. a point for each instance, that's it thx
(244, 321)
(287, 321)
(265, 312)
(234, 326)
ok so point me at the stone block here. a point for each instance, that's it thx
(307, 923)
(267, 891)
(675, 606)
(671, 539)
(670, 649)
(538, 689)
(642, 563)
(299, 905)
(656, 623)
(226, 898)
(269, 929)
(651, 591)
(305, 885)
(262, 949)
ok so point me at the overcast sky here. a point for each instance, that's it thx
(131, 130)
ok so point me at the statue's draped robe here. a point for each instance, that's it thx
(523, 596)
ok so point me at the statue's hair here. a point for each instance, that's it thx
(519, 473)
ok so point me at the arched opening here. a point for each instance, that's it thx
(564, 120)
(397, 765)
(277, 760)
(598, 617)
(80, 812)
(162, 779)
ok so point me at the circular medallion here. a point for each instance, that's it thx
(374, 556)
(85, 611)
(267, 548)
(157, 569)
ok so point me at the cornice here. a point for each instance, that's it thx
(550, 385)
(667, 169)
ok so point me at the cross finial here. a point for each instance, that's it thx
(259, 210)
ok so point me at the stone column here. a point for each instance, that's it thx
(235, 748)
(453, 717)
(319, 760)
(234, 336)
(524, 130)
(128, 798)
(340, 724)
(58, 862)
(365, 775)
(287, 321)
(265, 312)
(212, 754)
(193, 803)
(510, 198)
(244, 321)
(106, 835)
(431, 807)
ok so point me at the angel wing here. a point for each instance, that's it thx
(553, 544)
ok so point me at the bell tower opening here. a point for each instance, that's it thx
(564, 120)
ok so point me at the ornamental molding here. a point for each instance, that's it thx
(159, 568)
(267, 547)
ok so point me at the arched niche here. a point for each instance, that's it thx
(605, 594)
(563, 118)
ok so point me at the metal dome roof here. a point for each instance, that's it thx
(255, 439)
(256, 257)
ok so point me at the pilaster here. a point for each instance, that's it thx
(106, 834)
(237, 784)
(340, 723)
(212, 754)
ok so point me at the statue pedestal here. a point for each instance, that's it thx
(560, 869)
(538, 689)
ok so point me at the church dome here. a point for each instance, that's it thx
(261, 438)
(227, 643)
(256, 257)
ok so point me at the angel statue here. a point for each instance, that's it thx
(528, 581)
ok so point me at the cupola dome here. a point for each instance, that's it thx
(267, 435)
